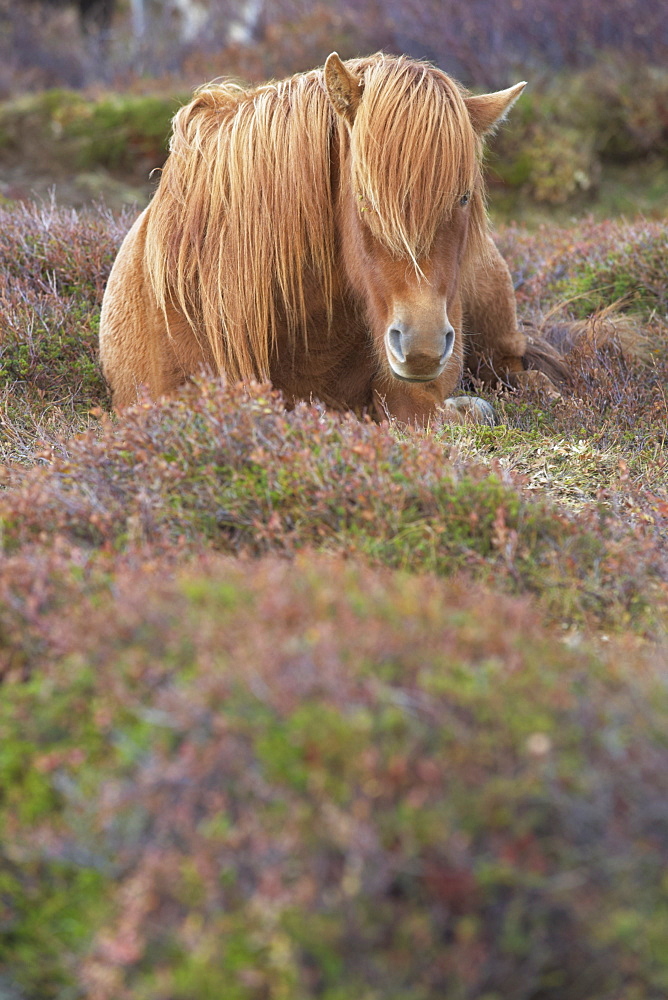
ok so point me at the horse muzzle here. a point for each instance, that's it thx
(415, 356)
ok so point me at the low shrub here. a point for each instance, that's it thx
(309, 778)
(623, 104)
(591, 266)
(229, 468)
(565, 133)
(54, 264)
(550, 163)
(299, 705)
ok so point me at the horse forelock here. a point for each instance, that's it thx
(413, 153)
(243, 220)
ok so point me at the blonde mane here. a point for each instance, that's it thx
(244, 219)
(414, 153)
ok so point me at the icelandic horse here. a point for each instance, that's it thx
(327, 233)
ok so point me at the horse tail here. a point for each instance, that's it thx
(553, 344)
(543, 356)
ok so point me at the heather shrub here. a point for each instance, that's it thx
(591, 266)
(42, 243)
(54, 263)
(566, 133)
(609, 430)
(229, 468)
(200, 469)
(308, 778)
(297, 705)
(550, 162)
(124, 132)
(633, 273)
(624, 104)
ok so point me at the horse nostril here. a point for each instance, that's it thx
(394, 337)
(448, 345)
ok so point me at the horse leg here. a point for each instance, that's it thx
(495, 345)
(420, 405)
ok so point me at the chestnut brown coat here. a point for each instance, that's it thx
(327, 233)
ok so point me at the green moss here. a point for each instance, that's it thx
(123, 133)
(118, 131)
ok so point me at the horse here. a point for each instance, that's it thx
(326, 233)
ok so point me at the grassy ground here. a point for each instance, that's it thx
(302, 706)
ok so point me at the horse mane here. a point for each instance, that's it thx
(243, 217)
(438, 155)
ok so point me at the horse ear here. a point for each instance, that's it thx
(487, 110)
(344, 89)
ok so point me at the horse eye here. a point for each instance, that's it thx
(464, 200)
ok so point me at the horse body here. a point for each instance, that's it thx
(327, 233)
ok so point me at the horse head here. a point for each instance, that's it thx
(410, 203)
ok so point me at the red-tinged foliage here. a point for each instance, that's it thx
(316, 779)
(227, 467)
(612, 275)
(590, 265)
(54, 264)
(47, 249)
